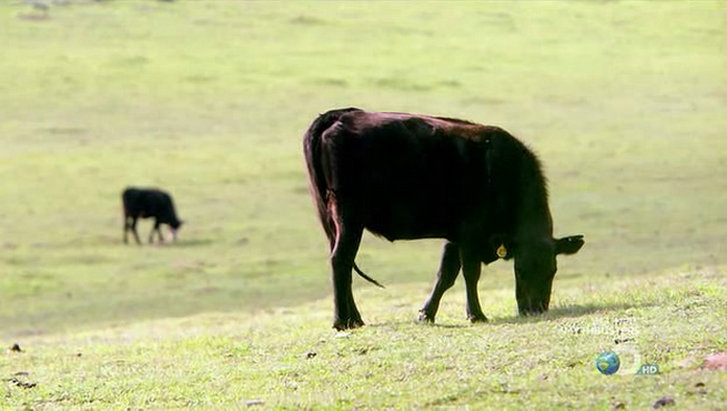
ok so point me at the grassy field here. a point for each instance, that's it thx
(290, 357)
(625, 102)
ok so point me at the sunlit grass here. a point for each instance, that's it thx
(291, 358)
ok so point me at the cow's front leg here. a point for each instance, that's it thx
(159, 232)
(154, 229)
(448, 269)
(471, 268)
(346, 314)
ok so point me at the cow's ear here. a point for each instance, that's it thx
(569, 245)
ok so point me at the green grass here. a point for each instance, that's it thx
(290, 358)
(623, 101)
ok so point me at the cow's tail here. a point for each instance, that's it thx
(366, 277)
(312, 151)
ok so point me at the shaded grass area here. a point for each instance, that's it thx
(290, 358)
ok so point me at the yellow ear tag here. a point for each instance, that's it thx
(501, 251)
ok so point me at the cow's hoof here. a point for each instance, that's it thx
(425, 318)
(477, 318)
(341, 324)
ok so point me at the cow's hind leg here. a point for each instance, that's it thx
(133, 230)
(348, 238)
(448, 269)
(127, 226)
(471, 269)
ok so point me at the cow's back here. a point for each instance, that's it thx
(148, 203)
(410, 176)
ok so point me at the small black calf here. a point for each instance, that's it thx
(145, 203)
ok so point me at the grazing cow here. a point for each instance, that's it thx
(145, 203)
(406, 176)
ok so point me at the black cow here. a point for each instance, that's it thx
(145, 203)
(407, 176)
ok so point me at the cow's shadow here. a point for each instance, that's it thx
(193, 242)
(568, 311)
(414, 321)
(559, 312)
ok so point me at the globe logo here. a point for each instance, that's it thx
(608, 362)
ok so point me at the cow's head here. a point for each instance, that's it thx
(174, 227)
(535, 267)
